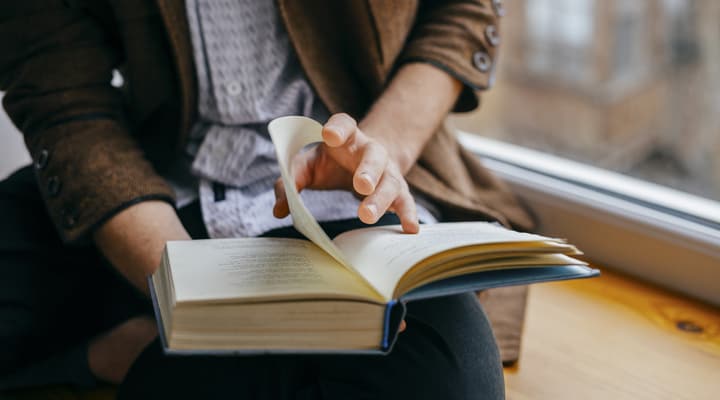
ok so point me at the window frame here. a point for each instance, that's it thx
(653, 232)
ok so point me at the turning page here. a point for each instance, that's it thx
(290, 135)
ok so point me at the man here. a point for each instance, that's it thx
(180, 151)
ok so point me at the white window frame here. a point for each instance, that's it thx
(655, 233)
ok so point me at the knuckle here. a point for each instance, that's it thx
(404, 203)
(375, 153)
(379, 149)
(394, 182)
(353, 147)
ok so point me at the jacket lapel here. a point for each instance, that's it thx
(322, 33)
(174, 18)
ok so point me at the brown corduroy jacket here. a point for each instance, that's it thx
(98, 149)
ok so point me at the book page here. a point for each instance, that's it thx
(383, 254)
(289, 136)
(224, 270)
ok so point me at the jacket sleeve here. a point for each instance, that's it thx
(56, 66)
(461, 38)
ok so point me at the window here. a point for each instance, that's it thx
(606, 118)
(630, 86)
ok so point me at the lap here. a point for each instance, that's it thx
(447, 351)
(54, 297)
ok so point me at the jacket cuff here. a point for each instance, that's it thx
(464, 47)
(88, 171)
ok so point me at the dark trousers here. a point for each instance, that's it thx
(55, 298)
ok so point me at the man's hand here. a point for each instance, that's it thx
(372, 161)
(351, 160)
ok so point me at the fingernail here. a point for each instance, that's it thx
(365, 176)
(372, 208)
(336, 129)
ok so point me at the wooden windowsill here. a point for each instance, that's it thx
(610, 337)
(613, 337)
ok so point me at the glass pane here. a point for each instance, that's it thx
(631, 86)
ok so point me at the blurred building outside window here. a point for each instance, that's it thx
(559, 37)
(632, 86)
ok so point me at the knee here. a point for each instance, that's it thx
(455, 381)
(454, 352)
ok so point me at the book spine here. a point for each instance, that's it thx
(158, 318)
(385, 345)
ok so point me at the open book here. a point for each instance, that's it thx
(253, 295)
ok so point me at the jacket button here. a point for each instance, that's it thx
(42, 160)
(69, 218)
(498, 7)
(53, 186)
(482, 61)
(492, 35)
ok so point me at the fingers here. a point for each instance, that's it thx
(338, 130)
(403, 326)
(404, 207)
(312, 170)
(368, 173)
(281, 208)
(302, 170)
(349, 159)
(375, 205)
(354, 151)
(391, 193)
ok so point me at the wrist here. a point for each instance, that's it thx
(410, 110)
(134, 239)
